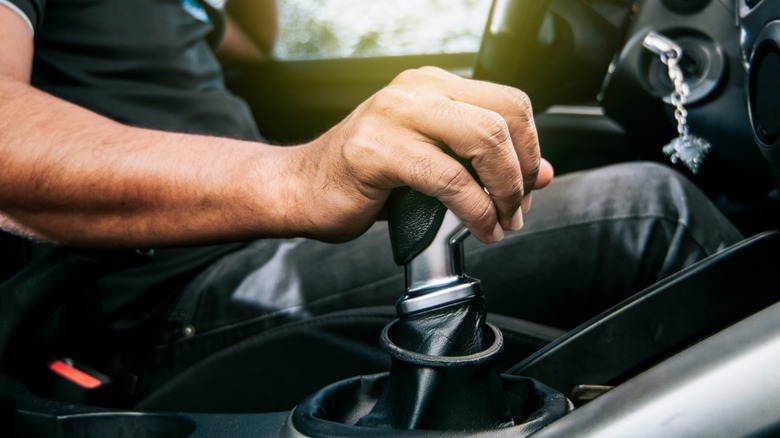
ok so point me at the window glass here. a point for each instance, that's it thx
(349, 28)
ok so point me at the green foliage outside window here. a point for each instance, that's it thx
(349, 28)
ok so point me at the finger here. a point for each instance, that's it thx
(515, 107)
(512, 104)
(482, 137)
(545, 176)
(427, 169)
(525, 205)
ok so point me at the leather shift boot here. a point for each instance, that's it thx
(442, 375)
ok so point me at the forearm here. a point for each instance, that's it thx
(74, 177)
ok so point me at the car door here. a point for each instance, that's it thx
(333, 54)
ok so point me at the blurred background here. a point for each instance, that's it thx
(317, 29)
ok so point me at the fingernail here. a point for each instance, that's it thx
(525, 203)
(516, 223)
(498, 233)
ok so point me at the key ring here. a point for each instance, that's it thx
(686, 147)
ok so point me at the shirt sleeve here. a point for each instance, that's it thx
(31, 11)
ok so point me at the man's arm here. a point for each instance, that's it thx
(16, 51)
(74, 177)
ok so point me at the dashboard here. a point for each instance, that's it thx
(589, 54)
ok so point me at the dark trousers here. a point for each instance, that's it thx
(591, 239)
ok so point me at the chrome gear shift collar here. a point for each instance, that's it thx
(435, 277)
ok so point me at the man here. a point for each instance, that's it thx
(116, 131)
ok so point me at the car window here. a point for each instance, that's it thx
(312, 29)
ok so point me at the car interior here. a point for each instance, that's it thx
(693, 355)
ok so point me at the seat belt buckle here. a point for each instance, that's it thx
(72, 381)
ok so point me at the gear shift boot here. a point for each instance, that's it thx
(431, 396)
(442, 382)
(442, 375)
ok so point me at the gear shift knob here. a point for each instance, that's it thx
(427, 239)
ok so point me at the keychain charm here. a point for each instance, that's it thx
(686, 147)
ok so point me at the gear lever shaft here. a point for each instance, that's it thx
(428, 240)
(435, 276)
(441, 346)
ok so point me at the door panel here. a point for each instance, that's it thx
(294, 101)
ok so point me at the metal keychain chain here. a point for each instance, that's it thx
(680, 94)
(686, 147)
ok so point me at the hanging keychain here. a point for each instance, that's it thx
(686, 147)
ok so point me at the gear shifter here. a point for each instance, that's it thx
(443, 376)
(435, 276)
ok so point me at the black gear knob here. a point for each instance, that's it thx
(427, 239)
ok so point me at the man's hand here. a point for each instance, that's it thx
(17, 48)
(74, 177)
(397, 137)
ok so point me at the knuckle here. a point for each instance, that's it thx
(484, 213)
(429, 69)
(389, 100)
(404, 77)
(493, 129)
(511, 192)
(451, 181)
(412, 75)
(520, 99)
(415, 75)
(494, 143)
(522, 115)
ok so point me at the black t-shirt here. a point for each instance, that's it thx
(147, 63)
